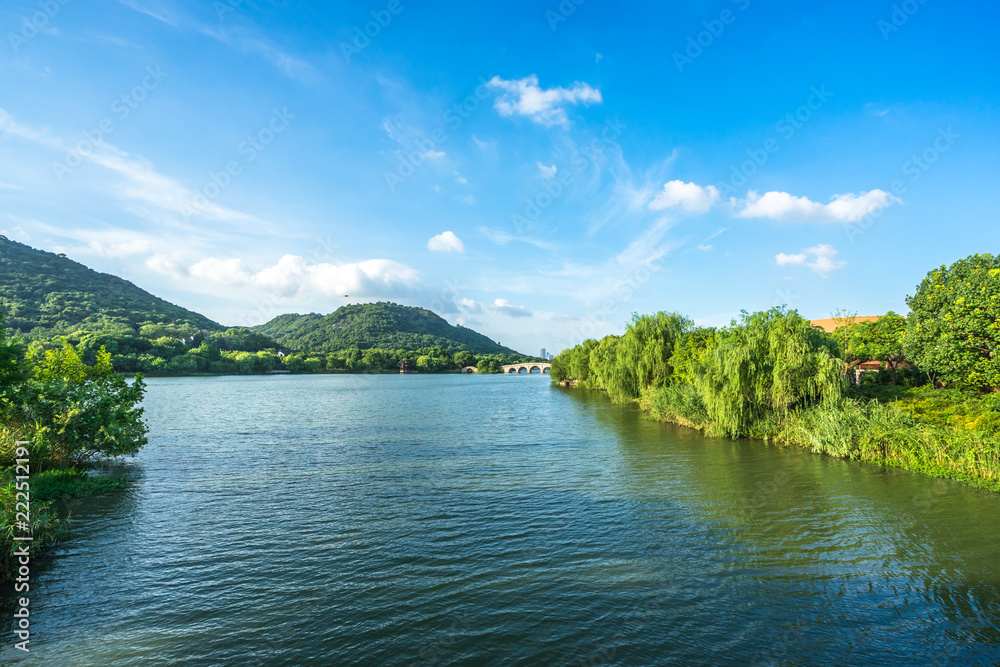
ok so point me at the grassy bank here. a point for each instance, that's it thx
(944, 434)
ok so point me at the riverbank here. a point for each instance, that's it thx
(921, 430)
(53, 494)
(773, 376)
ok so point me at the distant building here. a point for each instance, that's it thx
(544, 354)
(831, 324)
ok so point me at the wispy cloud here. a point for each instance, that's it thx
(138, 182)
(547, 171)
(243, 39)
(503, 238)
(822, 259)
(505, 307)
(524, 97)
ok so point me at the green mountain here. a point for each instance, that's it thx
(44, 290)
(386, 326)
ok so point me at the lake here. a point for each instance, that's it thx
(497, 520)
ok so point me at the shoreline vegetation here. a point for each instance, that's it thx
(60, 419)
(934, 408)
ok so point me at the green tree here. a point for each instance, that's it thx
(488, 366)
(75, 412)
(879, 340)
(767, 362)
(953, 331)
(463, 359)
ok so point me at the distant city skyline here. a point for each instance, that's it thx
(528, 170)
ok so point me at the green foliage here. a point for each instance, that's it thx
(881, 340)
(953, 329)
(688, 352)
(625, 366)
(489, 367)
(574, 364)
(767, 362)
(949, 408)
(72, 412)
(386, 326)
(42, 290)
(62, 483)
(58, 414)
(679, 403)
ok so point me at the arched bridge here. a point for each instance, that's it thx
(517, 369)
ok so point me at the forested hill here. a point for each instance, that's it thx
(43, 289)
(386, 326)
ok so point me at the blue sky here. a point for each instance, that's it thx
(537, 171)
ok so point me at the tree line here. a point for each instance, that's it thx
(772, 375)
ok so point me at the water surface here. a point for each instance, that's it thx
(481, 520)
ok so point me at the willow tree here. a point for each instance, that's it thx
(605, 372)
(768, 362)
(640, 359)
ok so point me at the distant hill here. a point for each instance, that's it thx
(43, 289)
(382, 325)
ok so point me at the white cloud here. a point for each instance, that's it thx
(824, 259)
(445, 242)
(707, 248)
(842, 208)
(524, 97)
(547, 172)
(293, 275)
(689, 196)
(461, 179)
(505, 307)
(784, 259)
(469, 306)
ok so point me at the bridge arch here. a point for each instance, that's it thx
(527, 369)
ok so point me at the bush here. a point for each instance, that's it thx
(680, 403)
